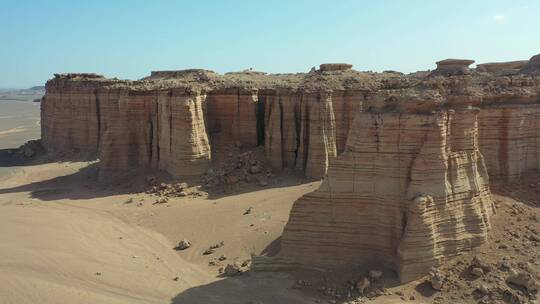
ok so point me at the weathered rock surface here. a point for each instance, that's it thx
(400, 182)
(510, 139)
(406, 158)
(451, 67)
(502, 68)
(70, 114)
(533, 66)
(335, 67)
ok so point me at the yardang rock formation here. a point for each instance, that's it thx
(406, 159)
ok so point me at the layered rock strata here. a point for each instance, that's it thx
(406, 159)
(510, 140)
(303, 120)
(153, 129)
(409, 190)
(138, 124)
(70, 115)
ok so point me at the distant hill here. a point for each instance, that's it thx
(37, 88)
(32, 94)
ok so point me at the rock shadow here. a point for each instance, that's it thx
(271, 287)
(273, 248)
(247, 288)
(425, 289)
(525, 190)
(80, 185)
(278, 181)
(12, 158)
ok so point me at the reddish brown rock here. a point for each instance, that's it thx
(401, 178)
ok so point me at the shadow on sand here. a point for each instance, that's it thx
(85, 183)
(246, 288)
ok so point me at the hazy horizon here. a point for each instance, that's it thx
(128, 39)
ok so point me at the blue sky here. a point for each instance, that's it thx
(128, 39)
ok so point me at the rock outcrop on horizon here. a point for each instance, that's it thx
(406, 159)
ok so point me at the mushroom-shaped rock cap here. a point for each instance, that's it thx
(335, 67)
(451, 67)
(465, 62)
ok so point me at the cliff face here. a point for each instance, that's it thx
(126, 129)
(406, 159)
(70, 117)
(306, 130)
(409, 190)
(153, 129)
(170, 129)
(510, 140)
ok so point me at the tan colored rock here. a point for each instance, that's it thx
(509, 138)
(522, 279)
(301, 129)
(502, 68)
(386, 199)
(317, 142)
(452, 67)
(335, 67)
(166, 131)
(70, 114)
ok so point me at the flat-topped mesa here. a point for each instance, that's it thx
(453, 67)
(405, 158)
(303, 120)
(502, 68)
(326, 67)
(533, 66)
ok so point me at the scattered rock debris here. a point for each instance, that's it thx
(170, 190)
(213, 248)
(522, 279)
(232, 270)
(247, 167)
(161, 200)
(436, 279)
(248, 211)
(183, 245)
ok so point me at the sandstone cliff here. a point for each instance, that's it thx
(70, 115)
(409, 190)
(406, 159)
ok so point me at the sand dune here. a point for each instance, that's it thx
(60, 254)
(64, 240)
